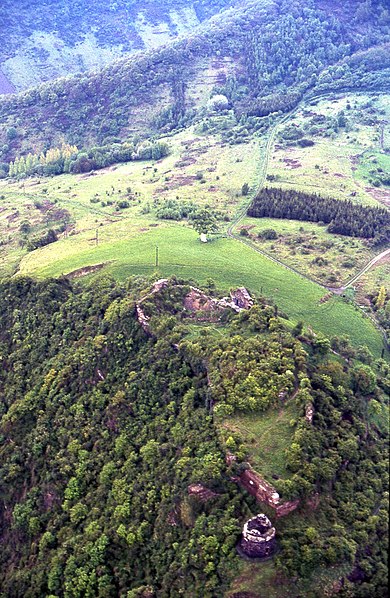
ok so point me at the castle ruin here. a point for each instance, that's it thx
(258, 537)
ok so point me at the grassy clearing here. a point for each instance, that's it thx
(372, 280)
(266, 437)
(228, 262)
(371, 166)
(256, 577)
(199, 169)
(330, 167)
(309, 248)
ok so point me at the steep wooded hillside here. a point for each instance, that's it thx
(261, 58)
(107, 396)
(47, 39)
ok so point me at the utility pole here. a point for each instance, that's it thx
(156, 256)
(97, 236)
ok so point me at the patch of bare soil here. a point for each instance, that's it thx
(326, 297)
(339, 175)
(32, 183)
(86, 270)
(189, 142)
(87, 175)
(292, 163)
(355, 161)
(179, 180)
(13, 217)
(45, 206)
(381, 195)
(188, 161)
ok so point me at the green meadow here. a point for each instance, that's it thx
(229, 262)
(266, 436)
(202, 169)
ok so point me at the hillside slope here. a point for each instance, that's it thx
(261, 58)
(49, 39)
(105, 427)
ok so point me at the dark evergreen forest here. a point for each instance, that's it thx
(343, 217)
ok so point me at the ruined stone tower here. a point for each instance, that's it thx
(258, 537)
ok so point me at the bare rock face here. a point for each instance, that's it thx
(196, 300)
(258, 537)
(287, 507)
(143, 319)
(160, 284)
(259, 488)
(309, 412)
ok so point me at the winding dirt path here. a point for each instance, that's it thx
(367, 267)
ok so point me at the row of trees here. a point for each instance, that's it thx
(67, 158)
(343, 217)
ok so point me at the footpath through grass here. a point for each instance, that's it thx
(227, 261)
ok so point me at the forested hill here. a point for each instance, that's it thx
(104, 428)
(260, 56)
(45, 39)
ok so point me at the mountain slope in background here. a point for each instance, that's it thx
(261, 58)
(43, 40)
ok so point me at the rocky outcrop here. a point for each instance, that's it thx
(286, 507)
(230, 458)
(143, 319)
(197, 301)
(86, 270)
(160, 284)
(259, 488)
(258, 537)
(241, 298)
(309, 412)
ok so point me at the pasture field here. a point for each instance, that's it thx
(198, 169)
(308, 247)
(228, 262)
(332, 166)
